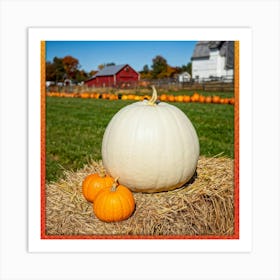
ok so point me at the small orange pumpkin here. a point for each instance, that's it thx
(98, 96)
(137, 97)
(187, 98)
(124, 97)
(208, 99)
(216, 99)
(93, 183)
(104, 95)
(179, 98)
(226, 100)
(163, 97)
(114, 203)
(201, 99)
(195, 97)
(171, 98)
(112, 97)
(85, 95)
(130, 97)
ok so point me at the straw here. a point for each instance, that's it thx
(204, 206)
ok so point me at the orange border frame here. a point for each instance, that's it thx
(43, 165)
(43, 138)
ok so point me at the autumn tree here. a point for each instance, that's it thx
(160, 69)
(145, 69)
(169, 72)
(67, 67)
(146, 72)
(159, 66)
(71, 65)
(50, 71)
(55, 70)
(81, 75)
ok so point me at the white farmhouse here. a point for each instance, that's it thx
(213, 60)
(184, 77)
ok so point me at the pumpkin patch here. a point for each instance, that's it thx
(195, 97)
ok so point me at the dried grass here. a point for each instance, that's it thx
(205, 206)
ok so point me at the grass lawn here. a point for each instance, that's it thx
(75, 127)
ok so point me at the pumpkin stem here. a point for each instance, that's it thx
(115, 184)
(154, 97)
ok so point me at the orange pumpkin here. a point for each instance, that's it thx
(124, 97)
(171, 98)
(113, 97)
(163, 97)
(179, 98)
(97, 95)
(201, 99)
(187, 98)
(113, 204)
(216, 99)
(208, 99)
(195, 97)
(104, 95)
(130, 97)
(137, 97)
(226, 100)
(85, 95)
(231, 101)
(93, 183)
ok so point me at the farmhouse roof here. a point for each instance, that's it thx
(202, 50)
(110, 70)
(185, 74)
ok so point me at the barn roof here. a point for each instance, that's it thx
(110, 70)
(202, 50)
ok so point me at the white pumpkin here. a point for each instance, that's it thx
(150, 147)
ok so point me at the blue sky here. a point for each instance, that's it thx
(135, 53)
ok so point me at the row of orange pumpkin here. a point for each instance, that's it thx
(195, 97)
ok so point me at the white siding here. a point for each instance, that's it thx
(200, 68)
(184, 77)
(213, 66)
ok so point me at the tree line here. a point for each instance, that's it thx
(68, 67)
(64, 68)
(161, 69)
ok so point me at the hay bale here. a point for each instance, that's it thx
(204, 206)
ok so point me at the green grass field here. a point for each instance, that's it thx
(75, 127)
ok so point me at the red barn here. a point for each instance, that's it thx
(115, 75)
